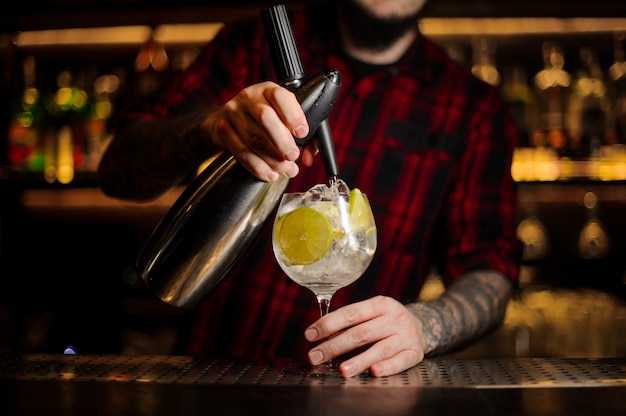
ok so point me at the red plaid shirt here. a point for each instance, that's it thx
(428, 143)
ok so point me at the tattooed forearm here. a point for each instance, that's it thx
(470, 307)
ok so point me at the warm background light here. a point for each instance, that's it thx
(203, 32)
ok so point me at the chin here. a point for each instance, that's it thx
(389, 9)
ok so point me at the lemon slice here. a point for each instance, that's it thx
(303, 235)
(361, 216)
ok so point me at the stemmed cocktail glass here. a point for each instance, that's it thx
(324, 239)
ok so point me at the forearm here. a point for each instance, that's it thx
(470, 307)
(146, 158)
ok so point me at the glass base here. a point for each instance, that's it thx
(322, 371)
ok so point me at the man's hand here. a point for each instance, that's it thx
(392, 332)
(398, 336)
(257, 126)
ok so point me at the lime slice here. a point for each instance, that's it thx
(303, 235)
(361, 216)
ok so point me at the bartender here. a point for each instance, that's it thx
(430, 145)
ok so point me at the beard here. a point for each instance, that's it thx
(370, 32)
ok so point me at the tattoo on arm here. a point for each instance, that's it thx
(469, 307)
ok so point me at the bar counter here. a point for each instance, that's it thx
(48, 384)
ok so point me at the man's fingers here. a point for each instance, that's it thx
(288, 109)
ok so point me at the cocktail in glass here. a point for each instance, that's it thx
(324, 239)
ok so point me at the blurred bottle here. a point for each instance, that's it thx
(105, 87)
(522, 101)
(484, 60)
(553, 84)
(81, 105)
(594, 241)
(68, 107)
(25, 129)
(151, 65)
(589, 110)
(534, 236)
(526, 326)
(617, 73)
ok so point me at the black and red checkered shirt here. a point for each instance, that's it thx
(428, 143)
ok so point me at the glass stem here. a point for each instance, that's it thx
(324, 302)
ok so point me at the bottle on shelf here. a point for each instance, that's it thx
(617, 73)
(105, 87)
(522, 101)
(484, 60)
(529, 158)
(151, 65)
(594, 241)
(25, 143)
(535, 238)
(589, 109)
(553, 84)
(68, 107)
(615, 154)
